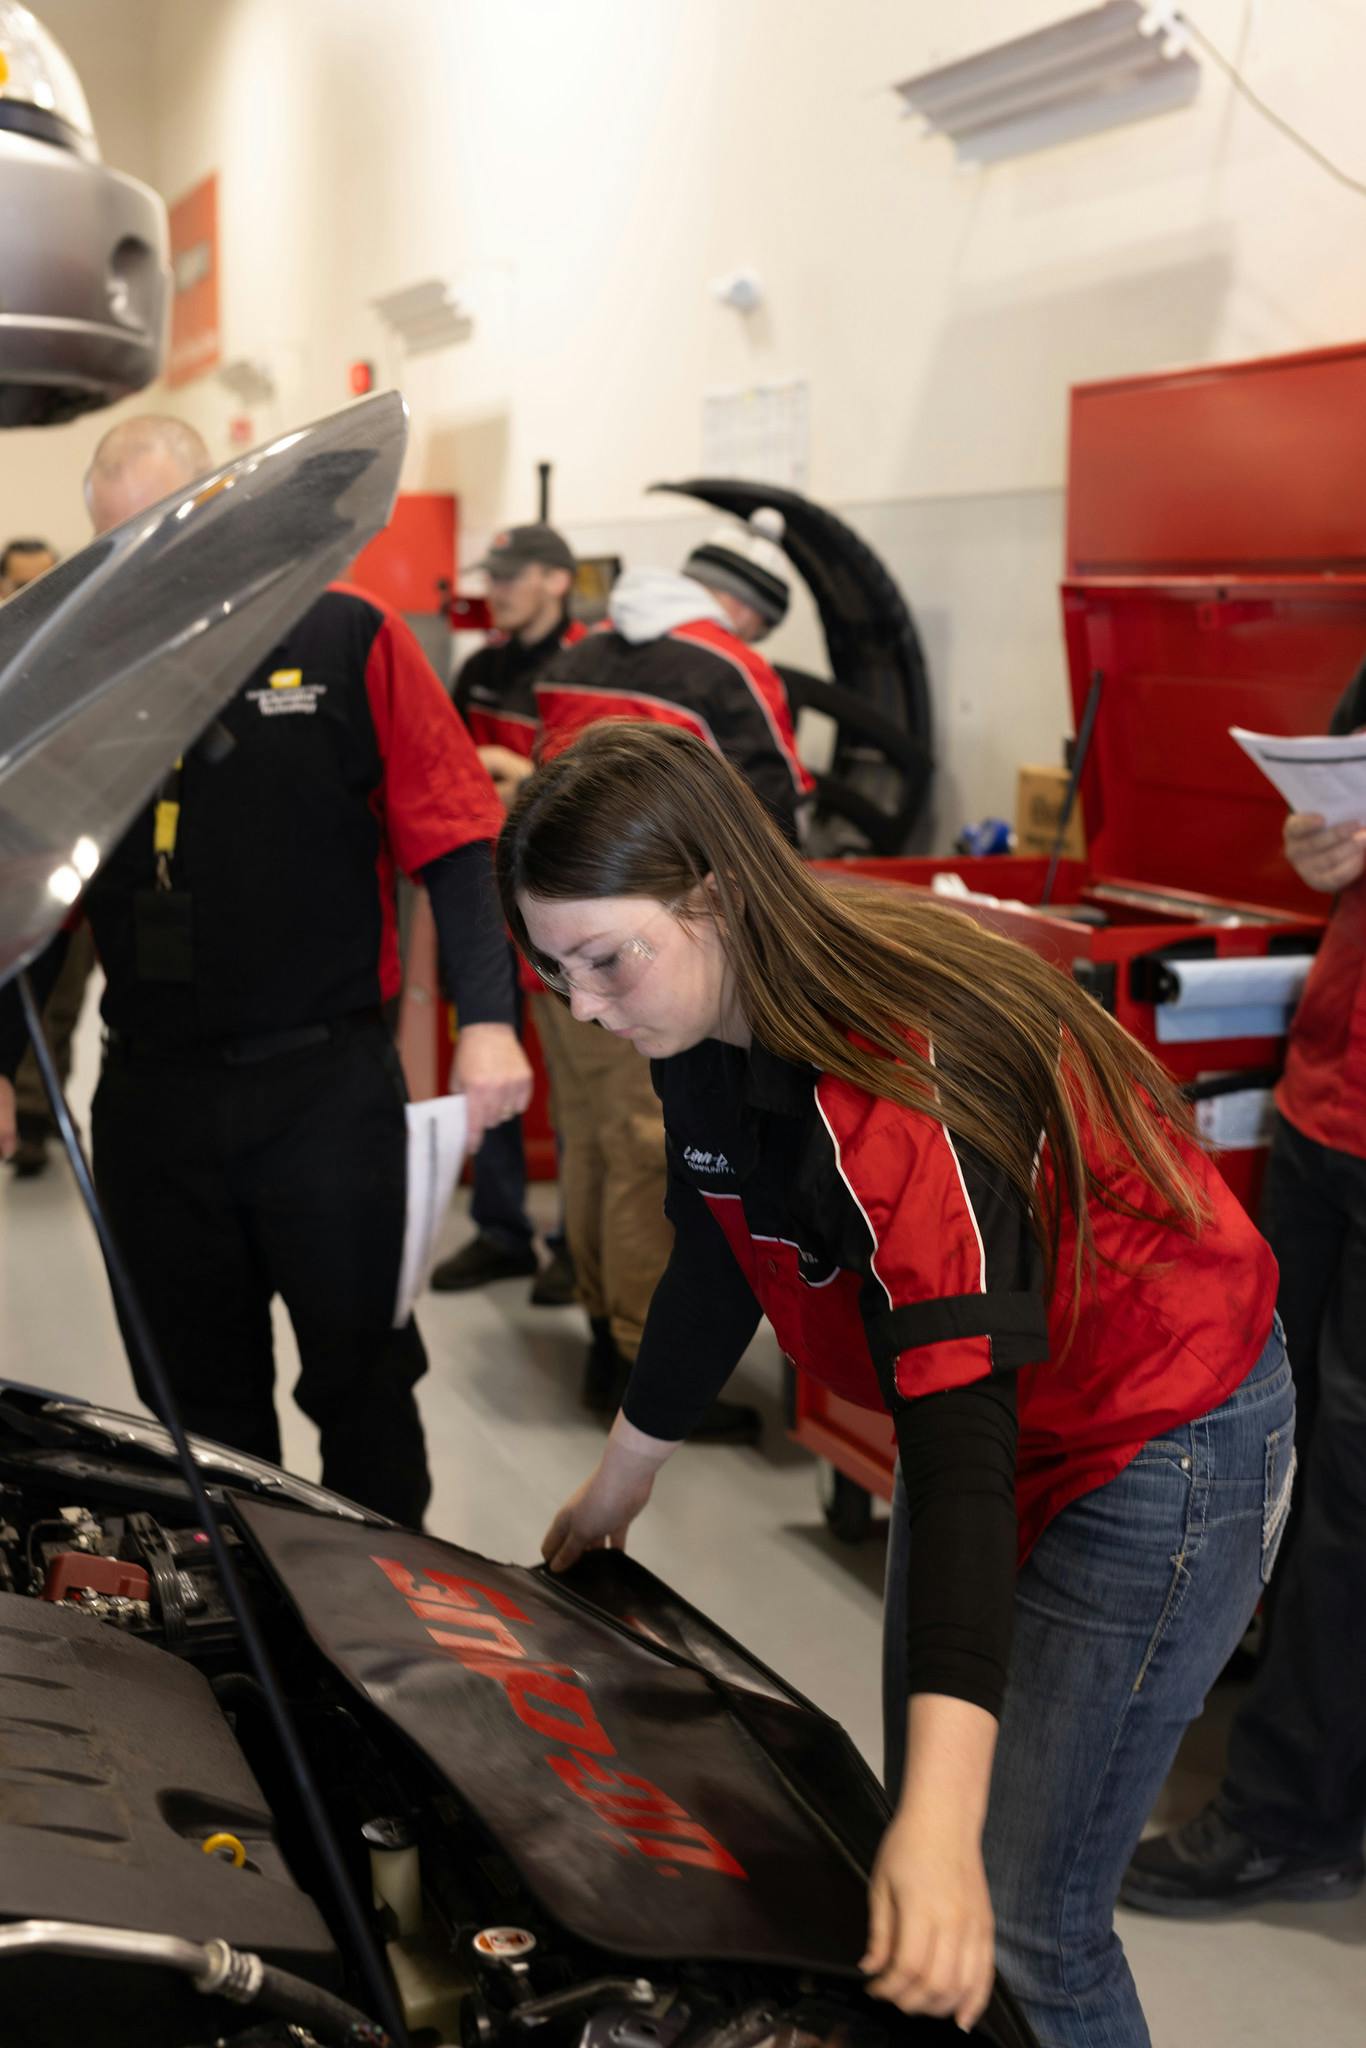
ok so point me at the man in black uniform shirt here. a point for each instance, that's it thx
(249, 1131)
(530, 571)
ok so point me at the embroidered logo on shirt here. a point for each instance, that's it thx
(698, 1161)
(287, 692)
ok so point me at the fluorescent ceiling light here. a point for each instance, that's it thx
(250, 383)
(424, 316)
(1116, 63)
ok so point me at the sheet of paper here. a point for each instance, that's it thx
(1323, 775)
(436, 1153)
(1239, 1122)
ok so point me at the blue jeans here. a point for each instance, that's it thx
(1126, 1611)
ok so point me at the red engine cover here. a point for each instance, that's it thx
(74, 1571)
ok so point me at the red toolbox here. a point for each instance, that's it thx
(1216, 575)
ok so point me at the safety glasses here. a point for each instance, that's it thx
(614, 974)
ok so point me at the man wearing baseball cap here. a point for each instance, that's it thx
(530, 571)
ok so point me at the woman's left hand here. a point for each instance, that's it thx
(931, 1937)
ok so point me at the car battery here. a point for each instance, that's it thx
(1216, 576)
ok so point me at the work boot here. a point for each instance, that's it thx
(29, 1157)
(553, 1286)
(1210, 1867)
(479, 1262)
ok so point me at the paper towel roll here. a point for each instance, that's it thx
(1231, 998)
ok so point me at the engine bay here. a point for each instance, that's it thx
(479, 1732)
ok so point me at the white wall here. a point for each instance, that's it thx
(580, 169)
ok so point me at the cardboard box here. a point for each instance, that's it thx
(1039, 793)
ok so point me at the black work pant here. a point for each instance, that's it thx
(226, 1185)
(1296, 1777)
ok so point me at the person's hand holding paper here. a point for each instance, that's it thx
(1327, 857)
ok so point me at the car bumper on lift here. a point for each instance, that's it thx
(84, 283)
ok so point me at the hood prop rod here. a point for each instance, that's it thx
(140, 1343)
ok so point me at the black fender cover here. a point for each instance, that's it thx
(660, 1794)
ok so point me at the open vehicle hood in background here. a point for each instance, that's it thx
(114, 663)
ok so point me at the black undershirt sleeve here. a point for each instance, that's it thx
(43, 974)
(1349, 714)
(958, 1453)
(702, 1317)
(476, 958)
(958, 1444)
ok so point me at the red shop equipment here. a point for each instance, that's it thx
(1216, 575)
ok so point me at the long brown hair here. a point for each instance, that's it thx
(1017, 1052)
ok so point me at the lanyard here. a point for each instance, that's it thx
(166, 824)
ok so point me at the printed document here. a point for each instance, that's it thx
(436, 1153)
(1323, 775)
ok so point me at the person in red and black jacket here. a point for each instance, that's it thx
(963, 1194)
(248, 1127)
(530, 571)
(675, 650)
(678, 649)
(1288, 1818)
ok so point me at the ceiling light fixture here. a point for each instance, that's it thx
(424, 316)
(1116, 63)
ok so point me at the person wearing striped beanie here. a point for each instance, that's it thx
(747, 572)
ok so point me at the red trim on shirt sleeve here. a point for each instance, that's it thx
(436, 795)
(929, 1246)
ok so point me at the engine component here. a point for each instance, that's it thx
(213, 1968)
(395, 1873)
(117, 1767)
(506, 1945)
(227, 1848)
(431, 1981)
(71, 1573)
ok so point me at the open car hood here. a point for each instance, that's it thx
(114, 663)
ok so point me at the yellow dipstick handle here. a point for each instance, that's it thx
(216, 1844)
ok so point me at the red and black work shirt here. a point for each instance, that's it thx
(349, 762)
(1323, 1090)
(495, 691)
(894, 1264)
(697, 676)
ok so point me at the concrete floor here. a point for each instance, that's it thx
(739, 1532)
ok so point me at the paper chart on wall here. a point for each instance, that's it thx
(437, 1132)
(1315, 774)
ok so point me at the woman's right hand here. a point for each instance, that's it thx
(600, 1511)
(1327, 857)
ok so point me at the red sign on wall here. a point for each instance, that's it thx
(194, 262)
